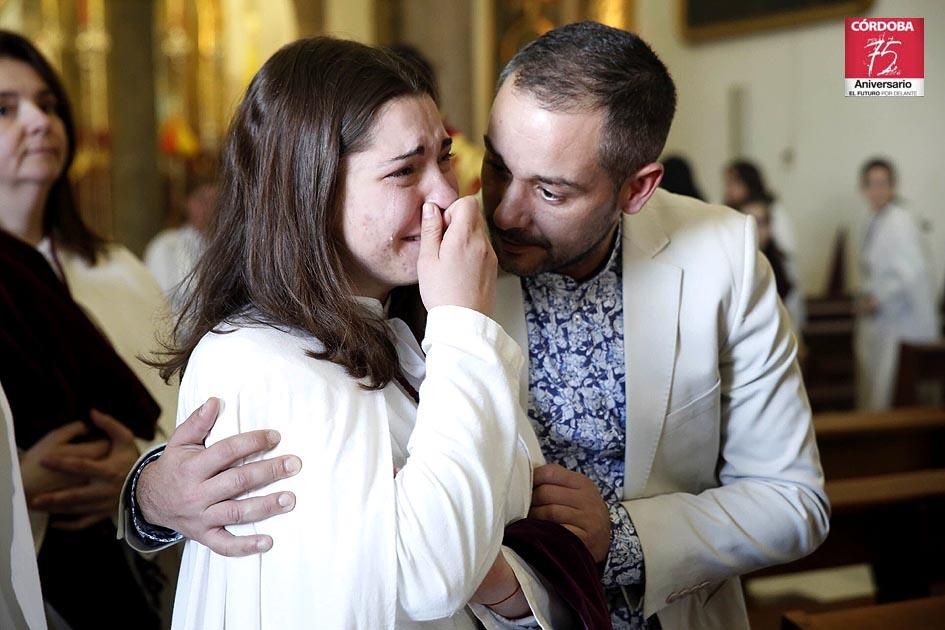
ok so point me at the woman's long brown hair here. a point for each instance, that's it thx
(274, 248)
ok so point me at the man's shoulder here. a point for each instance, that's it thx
(686, 231)
(679, 214)
(903, 218)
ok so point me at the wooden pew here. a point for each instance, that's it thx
(920, 364)
(886, 483)
(862, 494)
(918, 614)
(856, 444)
(829, 366)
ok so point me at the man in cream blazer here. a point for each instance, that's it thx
(719, 473)
(722, 471)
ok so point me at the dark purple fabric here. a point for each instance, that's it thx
(55, 365)
(563, 560)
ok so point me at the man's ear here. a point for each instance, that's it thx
(639, 187)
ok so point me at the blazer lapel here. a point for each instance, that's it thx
(510, 313)
(651, 294)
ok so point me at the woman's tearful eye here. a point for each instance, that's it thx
(402, 172)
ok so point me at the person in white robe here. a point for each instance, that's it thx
(173, 253)
(416, 459)
(895, 301)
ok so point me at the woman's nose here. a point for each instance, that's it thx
(35, 117)
(442, 189)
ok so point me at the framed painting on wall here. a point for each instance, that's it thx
(703, 20)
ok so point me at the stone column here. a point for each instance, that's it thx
(137, 195)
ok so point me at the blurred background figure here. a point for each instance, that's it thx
(785, 273)
(895, 301)
(172, 254)
(742, 181)
(678, 178)
(467, 156)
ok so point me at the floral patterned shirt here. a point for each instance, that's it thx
(577, 403)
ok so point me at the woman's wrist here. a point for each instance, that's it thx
(501, 591)
(514, 606)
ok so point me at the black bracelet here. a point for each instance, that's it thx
(152, 535)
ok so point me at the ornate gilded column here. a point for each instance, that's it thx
(49, 38)
(209, 73)
(619, 13)
(92, 168)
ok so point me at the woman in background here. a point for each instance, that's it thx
(678, 177)
(742, 181)
(95, 284)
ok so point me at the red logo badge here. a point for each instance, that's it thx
(884, 57)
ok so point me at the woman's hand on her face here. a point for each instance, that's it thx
(457, 265)
(97, 499)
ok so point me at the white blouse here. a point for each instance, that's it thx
(364, 548)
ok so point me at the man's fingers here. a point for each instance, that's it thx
(77, 466)
(557, 475)
(550, 494)
(194, 430)
(112, 428)
(431, 231)
(563, 514)
(231, 451)
(226, 544)
(250, 510)
(248, 477)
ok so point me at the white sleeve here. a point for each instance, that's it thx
(453, 495)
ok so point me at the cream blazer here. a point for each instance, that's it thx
(722, 471)
(364, 548)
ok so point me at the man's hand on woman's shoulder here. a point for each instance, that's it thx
(192, 489)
